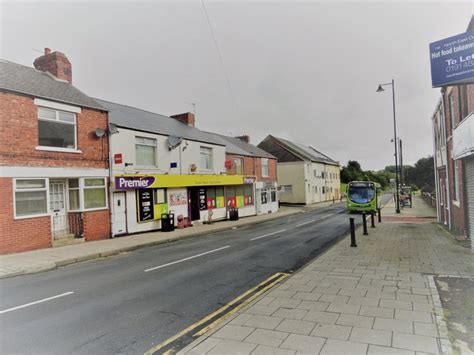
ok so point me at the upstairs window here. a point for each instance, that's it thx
(56, 129)
(206, 158)
(265, 167)
(237, 167)
(145, 151)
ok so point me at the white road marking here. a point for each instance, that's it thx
(188, 258)
(302, 224)
(269, 234)
(36, 302)
(327, 215)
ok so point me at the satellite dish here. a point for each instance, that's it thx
(174, 141)
(99, 132)
(112, 128)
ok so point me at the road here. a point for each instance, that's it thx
(131, 302)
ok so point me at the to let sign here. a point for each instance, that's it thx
(452, 60)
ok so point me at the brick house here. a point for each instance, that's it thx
(53, 158)
(453, 142)
(243, 158)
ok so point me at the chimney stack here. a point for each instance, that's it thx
(187, 118)
(244, 138)
(56, 63)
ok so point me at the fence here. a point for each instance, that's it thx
(429, 198)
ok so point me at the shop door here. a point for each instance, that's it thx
(194, 204)
(120, 216)
(57, 207)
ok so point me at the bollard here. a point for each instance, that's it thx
(353, 234)
(379, 210)
(372, 219)
(364, 223)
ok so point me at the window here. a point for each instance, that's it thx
(239, 196)
(315, 189)
(323, 189)
(56, 129)
(30, 197)
(206, 158)
(237, 167)
(159, 195)
(265, 167)
(248, 195)
(314, 172)
(322, 175)
(74, 190)
(286, 189)
(94, 193)
(145, 151)
(263, 197)
(273, 195)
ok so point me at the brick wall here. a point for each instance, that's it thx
(96, 225)
(20, 234)
(253, 167)
(19, 137)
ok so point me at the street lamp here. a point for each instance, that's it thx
(381, 89)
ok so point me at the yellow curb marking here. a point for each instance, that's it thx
(279, 276)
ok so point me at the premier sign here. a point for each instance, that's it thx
(133, 182)
(452, 60)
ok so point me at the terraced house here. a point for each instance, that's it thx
(53, 157)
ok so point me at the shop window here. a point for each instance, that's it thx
(231, 200)
(56, 129)
(264, 167)
(220, 197)
(264, 197)
(239, 196)
(206, 158)
(30, 197)
(273, 195)
(248, 195)
(159, 196)
(74, 193)
(211, 198)
(94, 193)
(145, 151)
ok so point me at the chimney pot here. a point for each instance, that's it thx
(244, 138)
(47, 51)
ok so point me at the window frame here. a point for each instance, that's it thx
(15, 190)
(82, 194)
(155, 165)
(264, 163)
(78, 188)
(56, 120)
(210, 156)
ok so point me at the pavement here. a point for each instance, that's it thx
(48, 259)
(377, 298)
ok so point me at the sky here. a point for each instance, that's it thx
(306, 71)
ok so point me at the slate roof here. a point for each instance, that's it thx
(145, 121)
(239, 147)
(30, 81)
(286, 151)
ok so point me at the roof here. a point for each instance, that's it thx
(145, 121)
(297, 151)
(30, 81)
(239, 147)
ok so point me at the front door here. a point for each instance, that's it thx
(194, 204)
(57, 207)
(119, 217)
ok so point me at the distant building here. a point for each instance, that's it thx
(453, 141)
(304, 174)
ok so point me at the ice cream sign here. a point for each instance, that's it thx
(133, 182)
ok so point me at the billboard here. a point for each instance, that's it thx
(452, 60)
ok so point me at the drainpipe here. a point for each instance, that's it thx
(435, 160)
(448, 199)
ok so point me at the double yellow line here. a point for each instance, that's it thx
(222, 313)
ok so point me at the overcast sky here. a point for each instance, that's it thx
(305, 71)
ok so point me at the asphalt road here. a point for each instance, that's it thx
(114, 306)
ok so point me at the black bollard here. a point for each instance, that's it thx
(353, 234)
(372, 219)
(379, 210)
(364, 223)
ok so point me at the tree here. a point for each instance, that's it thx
(351, 172)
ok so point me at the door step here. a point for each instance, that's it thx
(69, 240)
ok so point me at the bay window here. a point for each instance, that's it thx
(30, 197)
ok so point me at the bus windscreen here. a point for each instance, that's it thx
(361, 194)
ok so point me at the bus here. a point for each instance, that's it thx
(362, 196)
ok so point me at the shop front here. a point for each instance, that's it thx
(141, 200)
(266, 193)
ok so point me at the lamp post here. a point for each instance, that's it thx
(397, 196)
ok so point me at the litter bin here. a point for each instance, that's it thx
(234, 214)
(167, 222)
